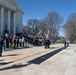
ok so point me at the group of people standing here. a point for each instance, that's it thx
(47, 43)
(11, 41)
(14, 41)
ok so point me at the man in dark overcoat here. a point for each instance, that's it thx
(1, 45)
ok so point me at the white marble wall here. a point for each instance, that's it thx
(19, 19)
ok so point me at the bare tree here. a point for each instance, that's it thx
(53, 22)
(27, 30)
(43, 28)
(34, 25)
(70, 28)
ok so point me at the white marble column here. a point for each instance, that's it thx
(9, 20)
(2, 19)
(14, 24)
(21, 27)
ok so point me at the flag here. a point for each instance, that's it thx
(48, 35)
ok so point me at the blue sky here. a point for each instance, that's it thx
(39, 9)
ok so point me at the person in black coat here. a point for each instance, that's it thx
(65, 44)
(7, 42)
(17, 42)
(48, 43)
(1, 45)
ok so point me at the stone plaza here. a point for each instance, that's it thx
(39, 61)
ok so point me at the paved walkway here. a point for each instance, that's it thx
(39, 61)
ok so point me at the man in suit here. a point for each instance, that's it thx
(1, 45)
(65, 44)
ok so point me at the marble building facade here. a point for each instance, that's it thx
(11, 17)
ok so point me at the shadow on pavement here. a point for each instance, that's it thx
(14, 66)
(42, 58)
(12, 49)
(5, 63)
(1, 60)
(11, 55)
